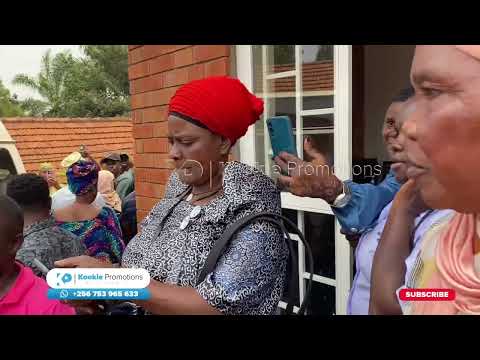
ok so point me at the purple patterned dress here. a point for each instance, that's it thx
(102, 236)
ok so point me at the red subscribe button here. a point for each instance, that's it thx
(427, 294)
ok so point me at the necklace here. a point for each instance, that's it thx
(197, 209)
(205, 195)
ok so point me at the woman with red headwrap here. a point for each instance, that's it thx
(204, 195)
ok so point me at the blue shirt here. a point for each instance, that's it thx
(366, 204)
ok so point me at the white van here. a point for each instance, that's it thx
(10, 159)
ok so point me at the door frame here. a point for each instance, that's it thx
(342, 132)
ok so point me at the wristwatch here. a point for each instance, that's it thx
(342, 199)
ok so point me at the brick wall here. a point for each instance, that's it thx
(155, 73)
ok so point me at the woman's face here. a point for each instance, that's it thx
(197, 153)
(418, 165)
(443, 146)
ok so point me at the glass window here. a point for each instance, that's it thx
(320, 234)
(292, 272)
(322, 300)
(315, 122)
(292, 215)
(280, 58)
(317, 76)
(319, 130)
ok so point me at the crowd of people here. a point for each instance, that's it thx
(59, 221)
(418, 229)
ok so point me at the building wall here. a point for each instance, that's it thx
(155, 73)
(387, 70)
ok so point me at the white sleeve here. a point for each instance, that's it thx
(403, 304)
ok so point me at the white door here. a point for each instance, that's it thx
(312, 85)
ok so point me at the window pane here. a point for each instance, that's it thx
(259, 145)
(317, 76)
(322, 300)
(257, 62)
(319, 130)
(292, 215)
(282, 106)
(278, 103)
(292, 274)
(280, 58)
(320, 234)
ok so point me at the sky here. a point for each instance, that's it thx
(16, 59)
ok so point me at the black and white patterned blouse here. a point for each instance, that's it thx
(249, 277)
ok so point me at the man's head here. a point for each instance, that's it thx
(124, 162)
(11, 231)
(390, 132)
(113, 164)
(444, 130)
(31, 193)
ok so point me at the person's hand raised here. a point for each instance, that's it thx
(53, 182)
(312, 179)
(408, 199)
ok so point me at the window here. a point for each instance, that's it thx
(311, 85)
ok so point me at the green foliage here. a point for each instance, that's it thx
(9, 105)
(95, 85)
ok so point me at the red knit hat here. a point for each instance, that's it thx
(221, 104)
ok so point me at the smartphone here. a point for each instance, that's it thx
(281, 135)
(41, 266)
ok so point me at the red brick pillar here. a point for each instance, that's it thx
(155, 73)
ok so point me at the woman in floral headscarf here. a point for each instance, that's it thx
(98, 227)
(106, 188)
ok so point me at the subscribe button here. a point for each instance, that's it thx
(427, 294)
(98, 284)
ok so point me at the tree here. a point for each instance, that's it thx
(284, 54)
(99, 84)
(112, 63)
(34, 107)
(90, 86)
(9, 105)
(325, 53)
(49, 84)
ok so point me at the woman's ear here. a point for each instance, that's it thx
(225, 146)
(16, 244)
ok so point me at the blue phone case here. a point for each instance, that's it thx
(281, 135)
